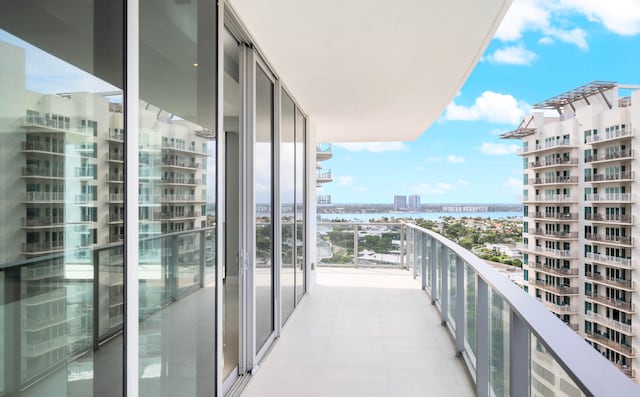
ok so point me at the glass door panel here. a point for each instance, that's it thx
(288, 205)
(263, 169)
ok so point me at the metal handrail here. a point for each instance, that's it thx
(593, 374)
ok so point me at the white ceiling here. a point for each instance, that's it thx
(368, 70)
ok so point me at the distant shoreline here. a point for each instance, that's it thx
(365, 217)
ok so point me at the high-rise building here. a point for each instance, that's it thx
(414, 202)
(580, 205)
(399, 203)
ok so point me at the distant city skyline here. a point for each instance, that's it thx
(542, 48)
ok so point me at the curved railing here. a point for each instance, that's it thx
(522, 348)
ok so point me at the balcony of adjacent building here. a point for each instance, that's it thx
(620, 304)
(43, 197)
(551, 198)
(323, 152)
(616, 325)
(620, 219)
(556, 180)
(609, 281)
(38, 222)
(324, 199)
(616, 155)
(609, 177)
(554, 234)
(55, 148)
(624, 241)
(610, 197)
(548, 146)
(42, 172)
(180, 164)
(550, 252)
(559, 271)
(557, 216)
(623, 347)
(616, 132)
(610, 260)
(554, 162)
(553, 287)
(323, 176)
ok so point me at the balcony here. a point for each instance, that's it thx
(612, 156)
(541, 147)
(44, 197)
(554, 234)
(556, 271)
(323, 152)
(179, 181)
(624, 306)
(553, 288)
(610, 218)
(42, 247)
(559, 216)
(624, 263)
(610, 239)
(362, 348)
(116, 157)
(556, 162)
(611, 344)
(559, 309)
(180, 164)
(28, 147)
(625, 132)
(559, 180)
(182, 147)
(323, 176)
(551, 252)
(42, 172)
(609, 323)
(610, 197)
(42, 221)
(324, 199)
(616, 177)
(552, 198)
(611, 281)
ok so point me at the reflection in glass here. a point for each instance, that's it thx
(288, 205)
(548, 378)
(231, 229)
(301, 133)
(177, 148)
(264, 204)
(61, 284)
(498, 346)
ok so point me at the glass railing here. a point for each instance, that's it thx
(70, 305)
(511, 344)
(360, 244)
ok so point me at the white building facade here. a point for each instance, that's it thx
(580, 209)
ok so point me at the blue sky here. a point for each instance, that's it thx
(542, 48)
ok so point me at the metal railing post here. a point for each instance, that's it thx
(482, 340)
(172, 271)
(460, 300)
(203, 248)
(355, 244)
(444, 292)
(519, 356)
(96, 300)
(423, 263)
(403, 249)
(433, 263)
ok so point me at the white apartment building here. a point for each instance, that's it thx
(580, 207)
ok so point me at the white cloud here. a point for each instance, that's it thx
(514, 55)
(429, 189)
(549, 18)
(345, 180)
(499, 149)
(444, 186)
(523, 15)
(462, 182)
(490, 106)
(455, 159)
(620, 16)
(545, 40)
(375, 147)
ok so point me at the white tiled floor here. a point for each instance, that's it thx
(363, 332)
